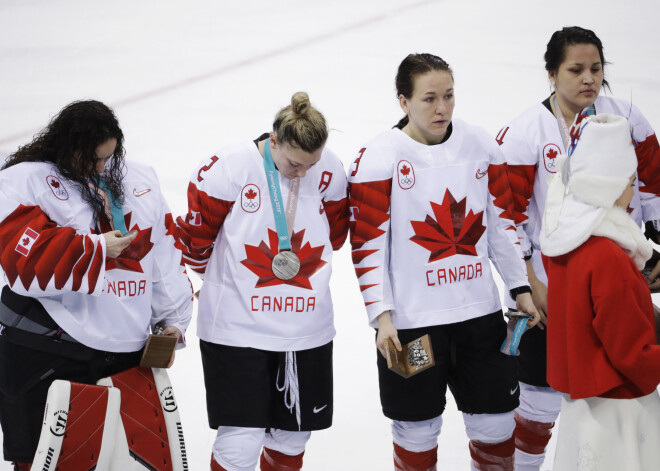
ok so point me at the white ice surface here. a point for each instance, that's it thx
(187, 77)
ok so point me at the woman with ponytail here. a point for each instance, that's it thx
(431, 207)
(264, 217)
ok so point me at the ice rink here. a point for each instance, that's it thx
(185, 78)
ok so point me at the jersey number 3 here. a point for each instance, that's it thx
(206, 168)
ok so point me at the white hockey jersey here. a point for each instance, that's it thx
(51, 250)
(229, 235)
(531, 144)
(425, 220)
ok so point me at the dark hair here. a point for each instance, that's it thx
(555, 52)
(412, 66)
(301, 125)
(70, 141)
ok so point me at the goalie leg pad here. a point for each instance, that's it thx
(152, 433)
(80, 421)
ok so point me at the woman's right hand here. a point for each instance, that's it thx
(386, 330)
(539, 295)
(115, 243)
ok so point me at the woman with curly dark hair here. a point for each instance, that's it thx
(82, 292)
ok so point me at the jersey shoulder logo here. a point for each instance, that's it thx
(250, 198)
(405, 175)
(56, 186)
(481, 174)
(550, 153)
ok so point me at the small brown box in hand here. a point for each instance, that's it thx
(158, 351)
(414, 357)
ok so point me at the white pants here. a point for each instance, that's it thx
(609, 434)
(238, 448)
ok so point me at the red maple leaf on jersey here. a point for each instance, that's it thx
(260, 261)
(54, 184)
(26, 241)
(452, 232)
(551, 154)
(405, 170)
(251, 194)
(129, 259)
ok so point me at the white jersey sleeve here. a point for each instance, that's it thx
(211, 195)
(332, 188)
(370, 187)
(521, 162)
(171, 301)
(40, 257)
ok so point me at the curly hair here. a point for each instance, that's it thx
(70, 141)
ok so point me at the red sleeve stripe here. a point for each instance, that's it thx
(197, 233)
(337, 214)
(372, 203)
(498, 185)
(365, 287)
(359, 255)
(521, 180)
(58, 252)
(648, 165)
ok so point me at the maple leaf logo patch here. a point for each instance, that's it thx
(250, 198)
(57, 188)
(405, 175)
(451, 232)
(260, 260)
(550, 154)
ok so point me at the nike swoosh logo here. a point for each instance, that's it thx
(481, 174)
(141, 192)
(317, 410)
(513, 391)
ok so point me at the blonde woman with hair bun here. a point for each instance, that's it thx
(263, 219)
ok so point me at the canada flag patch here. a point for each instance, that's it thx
(194, 218)
(26, 242)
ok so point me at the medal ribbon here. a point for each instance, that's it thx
(283, 218)
(561, 121)
(115, 208)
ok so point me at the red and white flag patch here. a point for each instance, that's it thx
(194, 218)
(26, 242)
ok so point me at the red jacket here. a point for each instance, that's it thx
(601, 330)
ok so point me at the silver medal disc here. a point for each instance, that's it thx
(286, 265)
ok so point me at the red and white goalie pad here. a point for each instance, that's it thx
(129, 422)
(149, 434)
(79, 427)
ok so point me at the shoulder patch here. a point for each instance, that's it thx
(405, 174)
(550, 153)
(56, 186)
(250, 198)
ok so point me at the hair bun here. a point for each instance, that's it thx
(300, 103)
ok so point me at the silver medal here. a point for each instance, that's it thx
(286, 265)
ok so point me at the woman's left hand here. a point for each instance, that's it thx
(172, 331)
(525, 304)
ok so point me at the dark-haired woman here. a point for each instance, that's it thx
(78, 306)
(430, 208)
(531, 144)
(264, 217)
